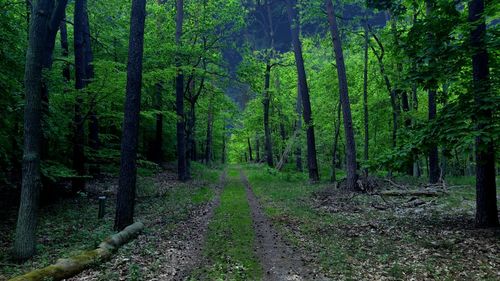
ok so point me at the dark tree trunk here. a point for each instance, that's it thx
(433, 149)
(223, 158)
(304, 90)
(257, 148)
(179, 98)
(344, 99)
(250, 149)
(209, 143)
(78, 183)
(44, 23)
(158, 143)
(192, 131)
(365, 98)
(268, 145)
(333, 177)
(125, 198)
(486, 199)
(65, 49)
(298, 150)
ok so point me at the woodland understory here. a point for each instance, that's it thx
(249, 140)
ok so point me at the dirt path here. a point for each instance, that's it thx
(195, 231)
(279, 261)
(172, 255)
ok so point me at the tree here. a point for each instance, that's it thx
(44, 23)
(434, 173)
(304, 90)
(365, 93)
(486, 199)
(78, 183)
(179, 97)
(125, 198)
(344, 99)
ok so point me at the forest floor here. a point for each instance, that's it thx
(250, 223)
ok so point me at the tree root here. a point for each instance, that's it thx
(65, 268)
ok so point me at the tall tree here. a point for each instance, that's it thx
(304, 89)
(486, 199)
(78, 183)
(365, 93)
(125, 199)
(268, 145)
(210, 123)
(434, 173)
(45, 20)
(179, 97)
(351, 167)
(298, 128)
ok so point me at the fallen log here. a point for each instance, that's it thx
(66, 268)
(427, 193)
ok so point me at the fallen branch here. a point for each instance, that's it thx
(427, 193)
(66, 268)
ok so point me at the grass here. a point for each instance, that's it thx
(348, 239)
(230, 241)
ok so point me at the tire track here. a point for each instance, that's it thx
(280, 262)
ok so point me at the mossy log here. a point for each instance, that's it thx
(66, 268)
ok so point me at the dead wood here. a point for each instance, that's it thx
(65, 268)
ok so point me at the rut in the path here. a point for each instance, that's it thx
(279, 261)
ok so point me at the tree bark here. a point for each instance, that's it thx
(333, 177)
(179, 98)
(267, 130)
(158, 143)
(257, 148)
(44, 20)
(250, 149)
(433, 149)
(351, 167)
(304, 90)
(125, 199)
(298, 124)
(209, 140)
(486, 199)
(65, 49)
(78, 183)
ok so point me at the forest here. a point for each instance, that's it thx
(249, 140)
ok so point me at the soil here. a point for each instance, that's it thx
(279, 261)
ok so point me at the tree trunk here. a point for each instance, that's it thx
(344, 99)
(333, 177)
(209, 143)
(298, 124)
(179, 98)
(40, 34)
(78, 183)
(486, 199)
(267, 131)
(250, 150)
(65, 50)
(365, 98)
(125, 198)
(223, 158)
(158, 143)
(304, 90)
(257, 148)
(433, 149)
